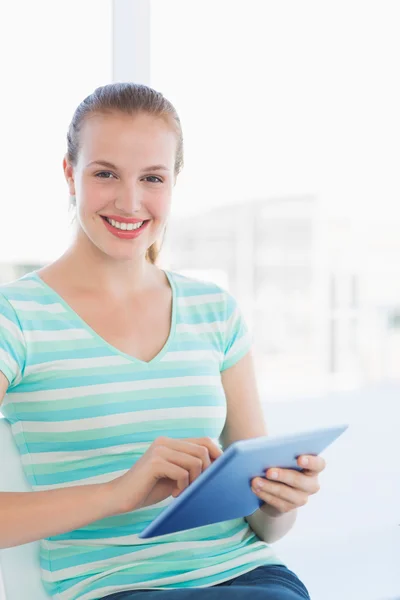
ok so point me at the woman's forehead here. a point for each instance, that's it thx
(145, 136)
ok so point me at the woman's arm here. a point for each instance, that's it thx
(245, 419)
(167, 467)
(30, 516)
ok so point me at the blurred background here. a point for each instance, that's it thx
(289, 199)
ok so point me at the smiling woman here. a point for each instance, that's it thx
(124, 382)
(133, 130)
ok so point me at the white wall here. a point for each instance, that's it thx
(53, 55)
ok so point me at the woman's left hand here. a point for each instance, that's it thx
(290, 489)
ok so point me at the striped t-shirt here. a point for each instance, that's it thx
(83, 412)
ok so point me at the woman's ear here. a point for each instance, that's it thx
(69, 175)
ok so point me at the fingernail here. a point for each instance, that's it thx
(304, 461)
(273, 475)
(258, 485)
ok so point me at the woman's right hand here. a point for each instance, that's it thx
(166, 468)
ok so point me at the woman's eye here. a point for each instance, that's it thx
(158, 180)
(104, 175)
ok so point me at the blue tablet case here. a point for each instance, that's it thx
(223, 490)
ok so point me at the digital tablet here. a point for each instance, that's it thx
(223, 491)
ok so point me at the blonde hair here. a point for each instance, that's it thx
(128, 98)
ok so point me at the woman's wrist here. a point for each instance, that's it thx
(271, 511)
(269, 524)
(111, 498)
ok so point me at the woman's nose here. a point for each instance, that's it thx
(130, 201)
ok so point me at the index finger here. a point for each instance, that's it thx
(312, 463)
(214, 450)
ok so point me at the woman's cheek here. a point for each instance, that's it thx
(160, 206)
(95, 197)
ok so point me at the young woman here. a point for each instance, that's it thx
(123, 381)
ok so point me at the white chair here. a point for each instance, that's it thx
(20, 569)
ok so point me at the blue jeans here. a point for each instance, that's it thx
(270, 582)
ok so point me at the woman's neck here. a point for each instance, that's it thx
(89, 272)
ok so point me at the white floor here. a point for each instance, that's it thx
(346, 542)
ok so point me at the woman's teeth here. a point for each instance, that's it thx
(124, 226)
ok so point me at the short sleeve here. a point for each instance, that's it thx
(238, 340)
(12, 343)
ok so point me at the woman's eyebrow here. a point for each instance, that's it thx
(156, 168)
(109, 165)
(103, 163)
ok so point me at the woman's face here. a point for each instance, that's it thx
(125, 171)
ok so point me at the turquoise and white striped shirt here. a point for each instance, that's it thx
(82, 412)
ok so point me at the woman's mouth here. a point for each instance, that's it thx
(125, 230)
